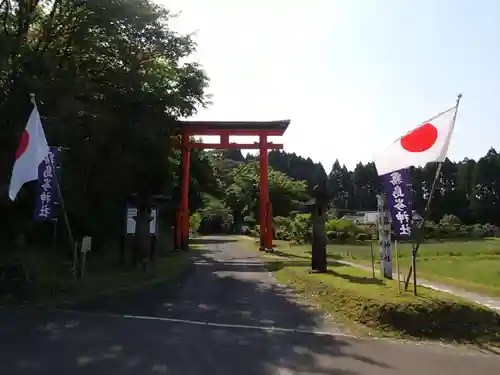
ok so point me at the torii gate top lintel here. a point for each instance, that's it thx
(270, 128)
(225, 129)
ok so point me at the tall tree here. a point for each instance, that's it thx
(110, 78)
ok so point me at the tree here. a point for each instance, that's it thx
(366, 186)
(239, 182)
(110, 80)
(340, 187)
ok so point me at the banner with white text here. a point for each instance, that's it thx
(46, 192)
(397, 188)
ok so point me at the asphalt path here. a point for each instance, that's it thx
(227, 316)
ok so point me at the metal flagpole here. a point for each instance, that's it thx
(61, 202)
(427, 212)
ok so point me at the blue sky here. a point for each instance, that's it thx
(352, 75)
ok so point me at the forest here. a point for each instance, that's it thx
(111, 78)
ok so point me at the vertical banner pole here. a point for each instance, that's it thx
(414, 266)
(65, 213)
(427, 210)
(396, 249)
(61, 199)
(54, 251)
(373, 260)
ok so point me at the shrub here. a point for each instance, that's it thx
(450, 219)
(331, 235)
(477, 231)
(195, 222)
(363, 237)
(283, 235)
(301, 227)
(254, 233)
(489, 230)
(249, 220)
(342, 236)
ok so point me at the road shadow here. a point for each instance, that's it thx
(356, 279)
(164, 330)
(329, 255)
(289, 255)
(47, 343)
(41, 342)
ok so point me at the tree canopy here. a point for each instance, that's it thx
(110, 77)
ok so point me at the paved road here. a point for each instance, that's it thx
(490, 302)
(218, 321)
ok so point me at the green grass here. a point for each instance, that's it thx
(101, 278)
(473, 265)
(372, 306)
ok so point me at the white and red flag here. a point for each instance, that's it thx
(427, 143)
(32, 150)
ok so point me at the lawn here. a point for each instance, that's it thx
(102, 277)
(368, 305)
(473, 265)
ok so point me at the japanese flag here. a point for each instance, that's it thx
(31, 151)
(427, 143)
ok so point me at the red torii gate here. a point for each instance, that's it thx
(224, 129)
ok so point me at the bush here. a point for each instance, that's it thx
(249, 220)
(450, 219)
(489, 230)
(195, 222)
(301, 229)
(331, 235)
(342, 236)
(477, 231)
(253, 233)
(215, 223)
(448, 228)
(283, 235)
(363, 237)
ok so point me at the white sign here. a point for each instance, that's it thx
(86, 244)
(384, 236)
(132, 213)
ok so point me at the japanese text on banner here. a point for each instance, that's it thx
(396, 186)
(46, 193)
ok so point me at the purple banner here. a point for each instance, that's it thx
(396, 186)
(46, 192)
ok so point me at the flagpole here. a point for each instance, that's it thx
(61, 202)
(427, 211)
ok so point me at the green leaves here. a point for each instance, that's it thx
(110, 78)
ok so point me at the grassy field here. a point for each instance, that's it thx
(473, 266)
(101, 278)
(371, 306)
